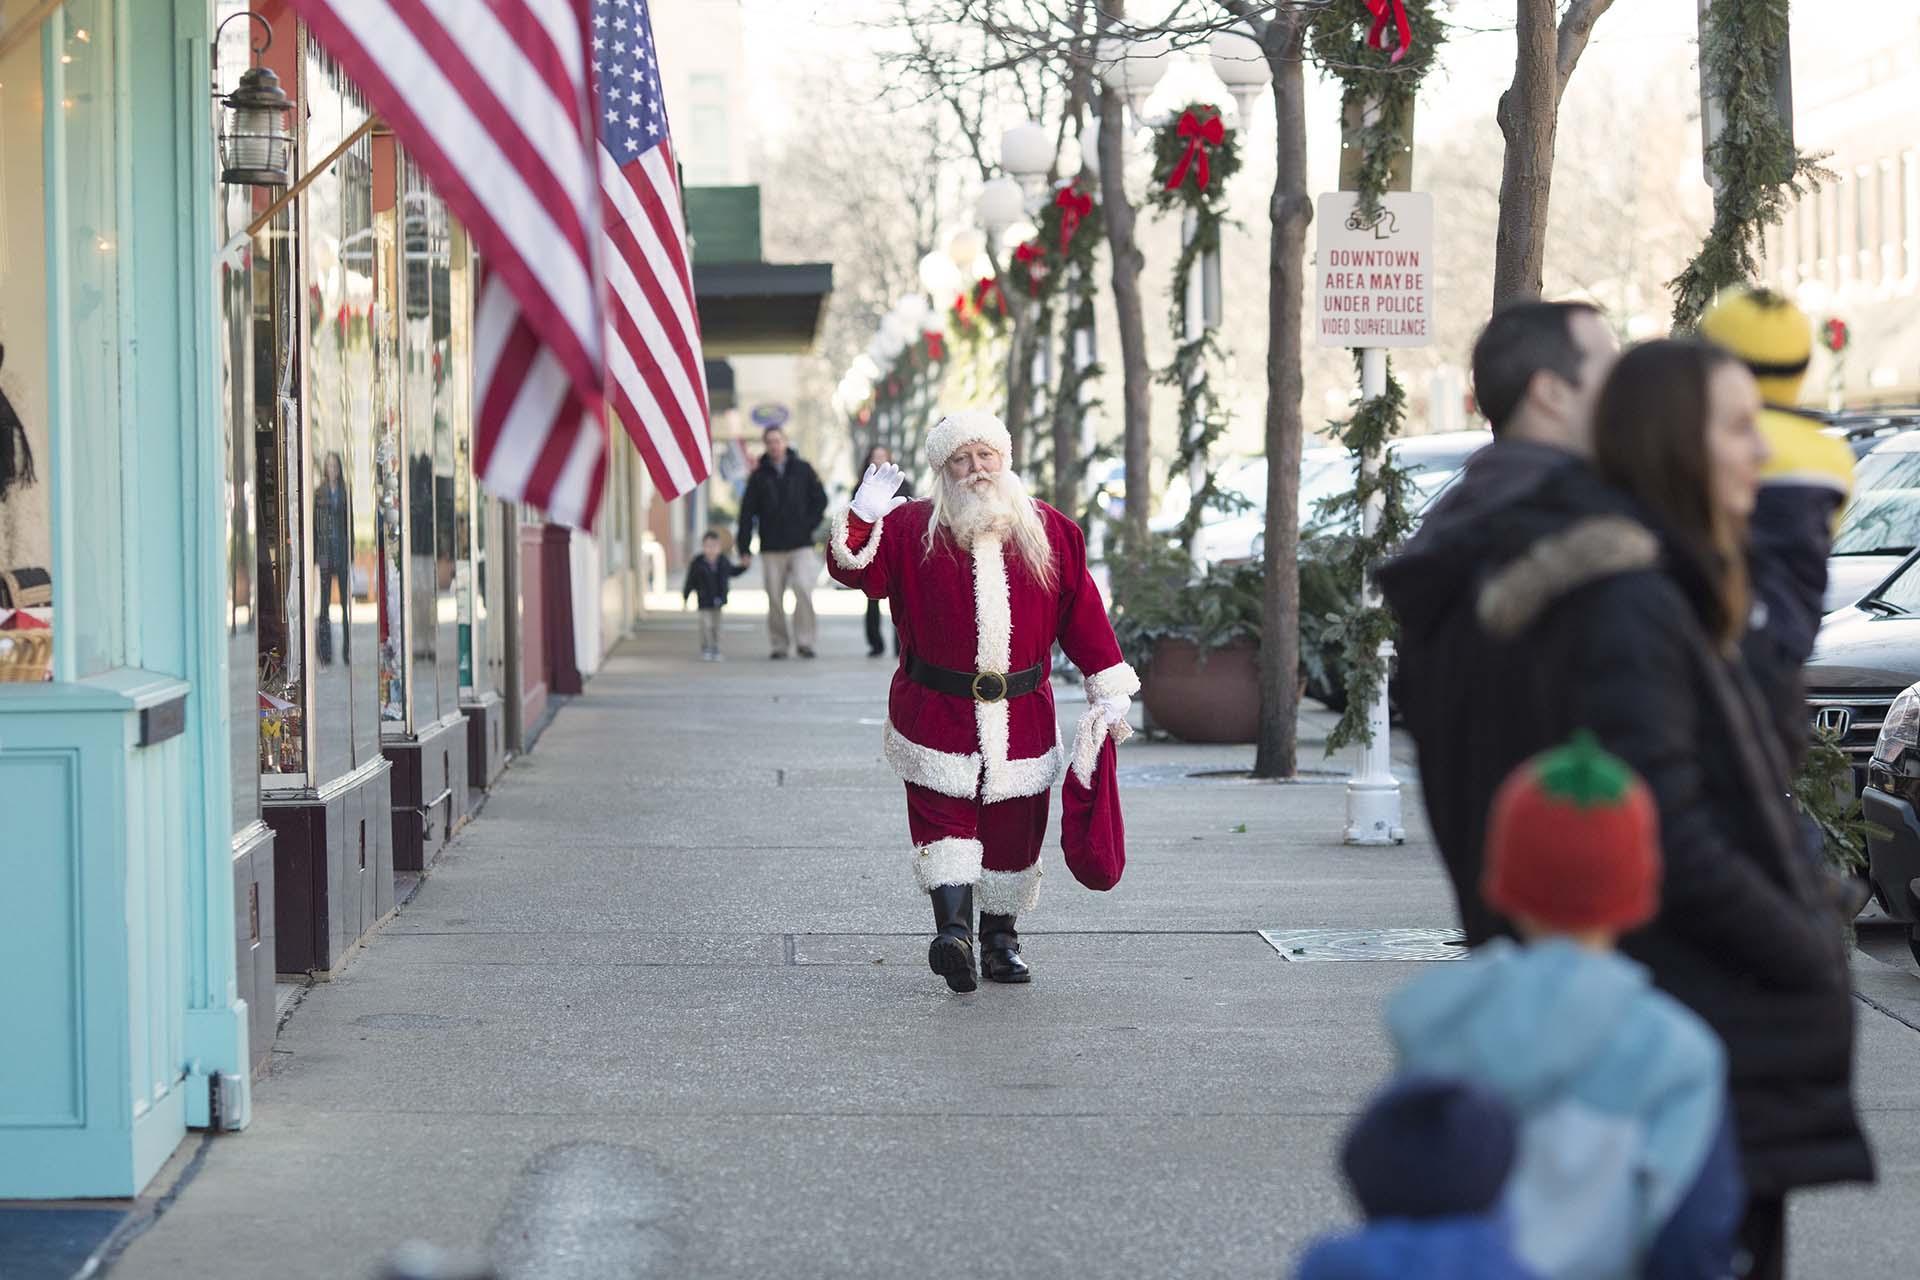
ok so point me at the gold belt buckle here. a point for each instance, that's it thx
(999, 695)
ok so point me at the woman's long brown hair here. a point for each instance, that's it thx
(1650, 439)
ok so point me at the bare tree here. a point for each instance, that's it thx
(1529, 115)
(1127, 262)
(1282, 31)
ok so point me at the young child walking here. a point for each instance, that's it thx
(707, 578)
(1627, 1165)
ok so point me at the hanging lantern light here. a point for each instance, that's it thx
(256, 149)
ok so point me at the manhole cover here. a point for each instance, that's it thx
(1402, 945)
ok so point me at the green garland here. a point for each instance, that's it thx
(1740, 52)
(1359, 629)
(1185, 152)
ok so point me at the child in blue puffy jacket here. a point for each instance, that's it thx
(1627, 1165)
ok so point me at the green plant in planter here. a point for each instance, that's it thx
(1158, 596)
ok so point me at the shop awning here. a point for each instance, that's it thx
(760, 308)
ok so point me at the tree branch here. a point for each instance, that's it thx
(1576, 28)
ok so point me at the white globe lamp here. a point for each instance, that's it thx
(1133, 67)
(1241, 64)
(1002, 204)
(940, 277)
(1026, 152)
(964, 249)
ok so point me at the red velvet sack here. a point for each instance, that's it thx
(1093, 836)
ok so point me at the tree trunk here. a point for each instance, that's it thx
(1021, 325)
(1277, 755)
(1069, 468)
(1127, 264)
(1529, 115)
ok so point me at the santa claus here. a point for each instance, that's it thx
(982, 580)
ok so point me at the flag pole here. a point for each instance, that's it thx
(15, 36)
(288, 196)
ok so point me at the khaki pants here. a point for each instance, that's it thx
(781, 570)
(709, 631)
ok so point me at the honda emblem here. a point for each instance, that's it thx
(1833, 720)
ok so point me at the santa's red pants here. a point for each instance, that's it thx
(995, 847)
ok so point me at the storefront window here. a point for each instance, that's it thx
(233, 207)
(25, 523)
(449, 411)
(425, 334)
(360, 268)
(280, 535)
(389, 482)
(329, 489)
(60, 268)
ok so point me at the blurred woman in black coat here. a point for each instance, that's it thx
(1623, 613)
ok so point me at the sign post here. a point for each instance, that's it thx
(1373, 289)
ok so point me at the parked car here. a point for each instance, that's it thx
(1432, 462)
(1891, 802)
(1868, 654)
(1866, 429)
(1882, 526)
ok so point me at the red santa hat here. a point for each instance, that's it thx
(1093, 835)
(969, 426)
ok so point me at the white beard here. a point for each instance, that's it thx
(986, 505)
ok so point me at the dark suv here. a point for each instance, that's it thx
(1861, 684)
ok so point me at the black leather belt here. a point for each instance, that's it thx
(981, 686)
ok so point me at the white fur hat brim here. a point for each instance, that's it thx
(969, 426)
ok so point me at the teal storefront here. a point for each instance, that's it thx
(124, 1024)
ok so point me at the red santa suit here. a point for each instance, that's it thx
(978, 773)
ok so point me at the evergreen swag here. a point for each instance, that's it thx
(1385, 91)
(1754, 159)
(1194, 155)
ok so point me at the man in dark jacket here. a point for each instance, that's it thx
(786, 502)
(1537, 373)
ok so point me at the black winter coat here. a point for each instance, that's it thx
(787, 509)
(708, 582)
(1570, 612)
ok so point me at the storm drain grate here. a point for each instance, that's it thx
(1403, 945)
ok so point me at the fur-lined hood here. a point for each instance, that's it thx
(1511, 557)
(1587, 551)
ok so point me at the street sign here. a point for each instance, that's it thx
(768, 416)
(1373, 278)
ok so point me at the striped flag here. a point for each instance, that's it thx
(657, 375)
(495, 100)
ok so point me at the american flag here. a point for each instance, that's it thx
(496, 103)
(656, 374)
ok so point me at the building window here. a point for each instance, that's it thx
(60, 348)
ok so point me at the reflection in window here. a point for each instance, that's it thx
(26, 551)
(280, 542)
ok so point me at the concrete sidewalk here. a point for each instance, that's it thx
(663, 1010)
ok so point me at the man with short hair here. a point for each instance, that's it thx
(982, 580)
(1537, 372)
(786, 501)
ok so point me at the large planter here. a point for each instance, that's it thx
(1215, 698)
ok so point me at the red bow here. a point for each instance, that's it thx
(1033, 255)
(1074, 205)
(1377, 37)
(1201, 136)
(988, 290)
(936, 349)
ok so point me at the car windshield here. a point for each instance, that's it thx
(1901, 593)
(1885, 516)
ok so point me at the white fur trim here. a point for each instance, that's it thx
(966, 427)
(844, 555)
(1087, 738)
(950, 861)
(992, 606)
(1008, 893)
(1117, 681)
(946, 772)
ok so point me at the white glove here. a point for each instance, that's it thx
(874, 498)
(1113, 712)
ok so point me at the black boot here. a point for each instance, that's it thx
(1000, 951)
(951, 954)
